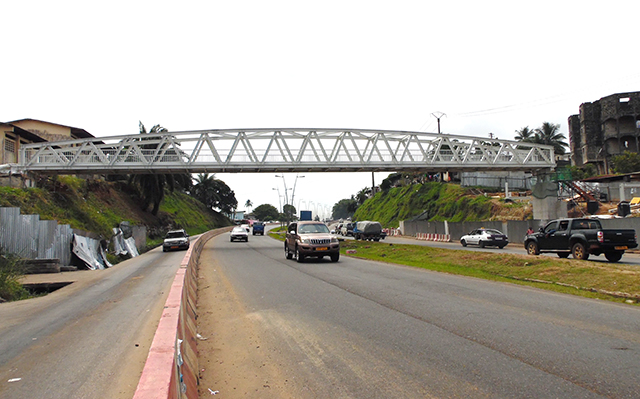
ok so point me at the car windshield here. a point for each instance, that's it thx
(239, 230)
(175, 234)
(313, 228)
(493, 232)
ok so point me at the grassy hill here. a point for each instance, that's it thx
(98, 206)
(437, 202)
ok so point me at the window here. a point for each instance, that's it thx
(9, 145)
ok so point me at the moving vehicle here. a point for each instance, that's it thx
(366, 230)
(581, 238)
(175, 239)
(239, 233)
(310, 239)
(347, 229)
(258, 228)
(485, 238)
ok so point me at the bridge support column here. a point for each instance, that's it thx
(549, 208)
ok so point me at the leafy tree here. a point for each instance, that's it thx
(548, 134)
(214, 193)
(628, 162)
(345, 208)
(289, 211)
(582, 172)
(266, 212)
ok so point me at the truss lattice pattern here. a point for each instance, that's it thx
(283, 150)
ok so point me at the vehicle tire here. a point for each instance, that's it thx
(335, 257)
(164, 250)
(564, 255)
(481, 244)
(613, 256)
(532, 248)
(501, 246)
(579, 251)
(463, 242)
(299, 256)
(230, 239)
(376, 239)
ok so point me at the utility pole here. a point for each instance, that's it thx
(438, 115)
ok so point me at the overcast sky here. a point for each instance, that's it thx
(490, 66)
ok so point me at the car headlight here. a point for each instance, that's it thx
(306, 240)
(334, 239)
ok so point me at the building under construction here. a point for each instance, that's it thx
(605, 128)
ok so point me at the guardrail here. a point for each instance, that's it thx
(171, 369)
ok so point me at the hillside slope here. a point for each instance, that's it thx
(98, 206)
(437, 201)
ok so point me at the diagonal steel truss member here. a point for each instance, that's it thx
(283, 150)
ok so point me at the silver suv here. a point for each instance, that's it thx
(175, 239)
(310, 239)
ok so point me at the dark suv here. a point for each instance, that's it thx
(310, 239)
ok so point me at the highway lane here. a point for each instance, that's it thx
(89, 339)
(366, 329)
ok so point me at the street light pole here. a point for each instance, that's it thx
(279, 200)
(286, 199)
(293, 194)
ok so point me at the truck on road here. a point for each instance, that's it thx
(367, 230)
(581, 238)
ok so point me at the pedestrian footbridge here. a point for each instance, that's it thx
(283, 150)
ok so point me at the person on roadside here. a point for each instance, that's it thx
(529, 231)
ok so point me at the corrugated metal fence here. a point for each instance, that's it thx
(29, 237)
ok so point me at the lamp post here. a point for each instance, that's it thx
(279, 200)
(293, 194)
(286, 199)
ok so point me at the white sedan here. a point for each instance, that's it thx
(239, 233)
(485, 238)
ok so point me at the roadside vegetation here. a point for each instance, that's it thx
(11, 270)
(613, 282)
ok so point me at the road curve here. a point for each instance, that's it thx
(278, 328)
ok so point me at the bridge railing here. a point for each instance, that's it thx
(283, 150)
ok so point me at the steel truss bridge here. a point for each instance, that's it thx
(283, 150)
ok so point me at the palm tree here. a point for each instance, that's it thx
(152, 186)
(248, 204)
(204, 190)
(525, 134)
(548, 134)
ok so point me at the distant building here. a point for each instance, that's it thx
(14, 134)
(605, 128)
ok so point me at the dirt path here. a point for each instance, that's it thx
(235, 358)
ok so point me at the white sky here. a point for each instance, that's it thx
(490, 66)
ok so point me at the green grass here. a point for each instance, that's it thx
(608, 281)
(439, 202)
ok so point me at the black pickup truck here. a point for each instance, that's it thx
(580, 238)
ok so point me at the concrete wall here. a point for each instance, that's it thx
(171, 369)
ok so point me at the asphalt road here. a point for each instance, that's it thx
(364, 329)
(89, 339)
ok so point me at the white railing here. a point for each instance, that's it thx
(283, 150)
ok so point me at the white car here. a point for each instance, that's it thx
(239, 233)
(175, 239)
(485, 238)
